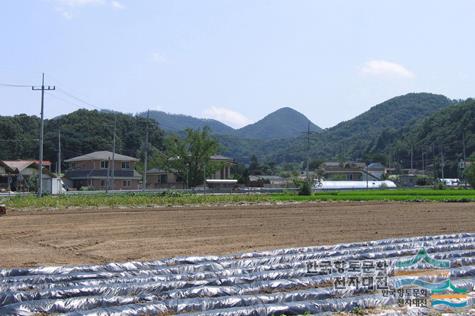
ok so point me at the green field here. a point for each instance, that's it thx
(171, 199)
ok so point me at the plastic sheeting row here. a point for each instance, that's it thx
(257, 283)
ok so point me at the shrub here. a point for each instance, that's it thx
(305, 188)
(439, 185)
(470, 174)
(423, 180)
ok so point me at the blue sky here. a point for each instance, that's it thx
(234, 60)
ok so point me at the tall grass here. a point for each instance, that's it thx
(128, 199)
(150, 199)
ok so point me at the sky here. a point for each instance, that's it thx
(235, 61)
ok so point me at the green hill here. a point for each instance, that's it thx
(177, 123)
(352, 137)
(347, 140)
(82, 131)
(424, 122)
(283, 123)
(441, 135)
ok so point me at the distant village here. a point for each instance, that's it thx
(104, 171)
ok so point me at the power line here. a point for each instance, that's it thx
(12, 85)
(66, 101)
(61, 90)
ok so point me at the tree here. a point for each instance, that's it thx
(241, 173)
(315, 164)
(470, 174)
(254, 167)
(189, 157)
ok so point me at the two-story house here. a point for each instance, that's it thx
(99, 170)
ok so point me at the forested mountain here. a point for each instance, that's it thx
(424, 122)
(442, 137)
(82, 131)
(178, 122)
(283, 123)
(352, 137)
(347, 140)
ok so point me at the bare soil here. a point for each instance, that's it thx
(84, 236)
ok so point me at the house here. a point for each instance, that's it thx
(224, 172)
(100, 171)
(269, 181)
(21, 175)
(352, 171)
(161, 179)
(158, 178)
(407, 180)
(6, 177)
(377, 170)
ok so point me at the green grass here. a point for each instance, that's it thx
(148, 199)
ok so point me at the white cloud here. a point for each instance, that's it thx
(386, 68)
(65, 13)
(158, 58)
(227, 116)
(79, 3)
(117, 5)
(68, 8)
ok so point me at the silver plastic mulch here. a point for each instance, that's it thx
(258, 283)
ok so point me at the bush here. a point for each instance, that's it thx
(423, 180)
(439, 185)
(305, 188)
(470, 174)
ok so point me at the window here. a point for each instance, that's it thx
(103, 183)
(104, 164)
(125, 164)
(126, 183)
(163, 179)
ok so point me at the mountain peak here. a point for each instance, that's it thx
(285, 122)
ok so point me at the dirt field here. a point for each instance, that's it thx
(32, 238)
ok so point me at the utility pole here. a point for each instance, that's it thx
(204, 179)
(58, 170)
(146, 154)
(367, 179)
(308, 150)
(40, 165)
(108, 174)
(113, 152)
(423, 164)
(412, 158)
(442, 162)
(463, 147)
(464, 156)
